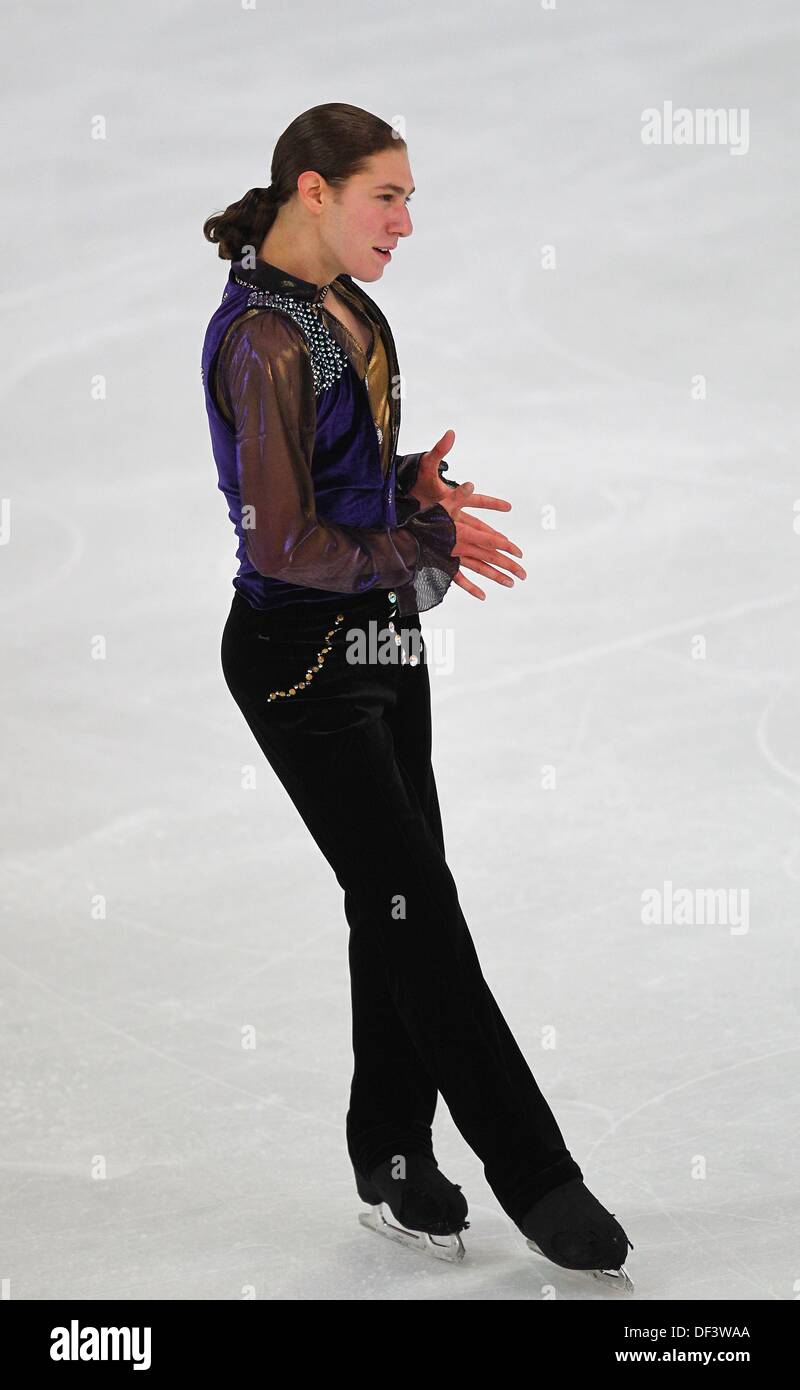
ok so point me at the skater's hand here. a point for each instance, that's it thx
(478, 546)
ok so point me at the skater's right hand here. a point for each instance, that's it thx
(478, 546)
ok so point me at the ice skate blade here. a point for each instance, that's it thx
(617, 1279)
(381, 1220)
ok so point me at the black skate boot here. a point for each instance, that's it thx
(571, 1228)
(421, 1209)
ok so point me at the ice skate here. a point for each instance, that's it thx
(421, 1210)
(569, 1227)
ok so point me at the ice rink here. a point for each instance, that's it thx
(610, 327)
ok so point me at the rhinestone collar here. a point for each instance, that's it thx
(265, 276)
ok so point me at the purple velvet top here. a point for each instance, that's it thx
(318, 499)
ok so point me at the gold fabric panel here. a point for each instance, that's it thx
(374, 365)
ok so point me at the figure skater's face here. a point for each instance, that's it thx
(368, 212)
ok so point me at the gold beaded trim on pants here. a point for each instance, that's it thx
(316, 666)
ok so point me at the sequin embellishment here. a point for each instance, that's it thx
(314, 668)
(328, 361)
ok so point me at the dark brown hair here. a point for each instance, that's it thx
(335, 140)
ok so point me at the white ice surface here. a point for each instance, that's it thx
(676, 1046)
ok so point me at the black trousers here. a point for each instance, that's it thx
(352, 747)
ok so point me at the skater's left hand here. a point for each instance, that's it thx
(430, 488)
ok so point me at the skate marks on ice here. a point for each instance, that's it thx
(445, 690)
(762, 740)
(697, 1258)
(184, 1068)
